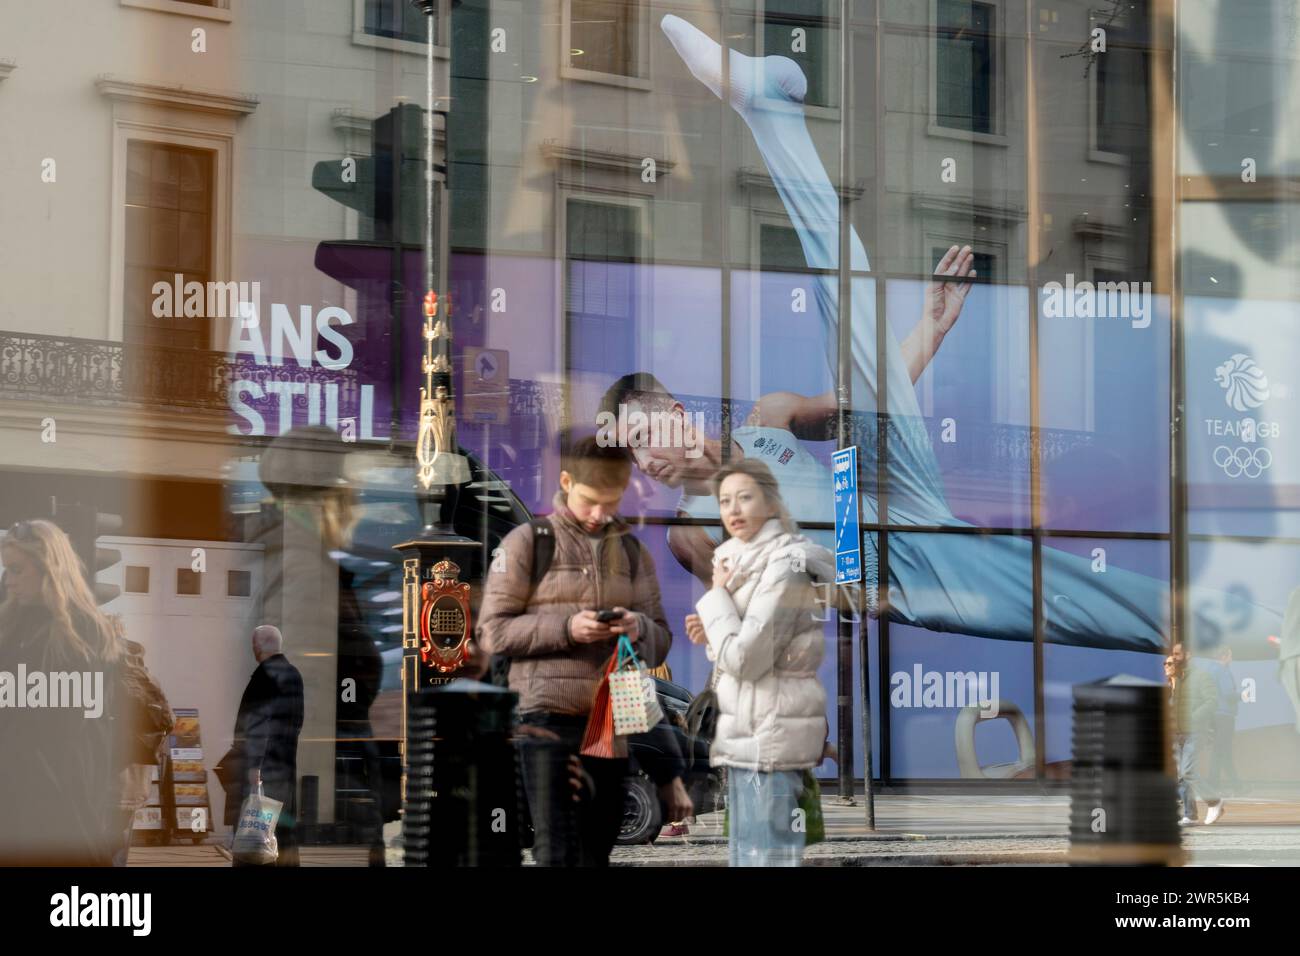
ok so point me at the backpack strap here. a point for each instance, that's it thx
(632, 547)
(543, 552)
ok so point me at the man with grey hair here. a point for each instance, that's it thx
(266, 738)
(267, 642)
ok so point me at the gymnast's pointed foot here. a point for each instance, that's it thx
(756, 82)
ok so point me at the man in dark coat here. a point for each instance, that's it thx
(266, 737)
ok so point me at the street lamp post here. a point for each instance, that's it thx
(436, 621)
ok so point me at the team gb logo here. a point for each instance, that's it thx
(1244, 383)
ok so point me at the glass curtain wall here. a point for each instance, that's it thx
(1031, 508)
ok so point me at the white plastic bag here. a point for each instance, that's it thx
(255, 836)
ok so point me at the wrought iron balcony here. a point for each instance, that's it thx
(51, 368)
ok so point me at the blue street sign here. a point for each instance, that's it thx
(848, 538)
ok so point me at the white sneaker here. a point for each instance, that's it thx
(1214, 812)
(1187, 822)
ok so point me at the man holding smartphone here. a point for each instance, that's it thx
(559, 633)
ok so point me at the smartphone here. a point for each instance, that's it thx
(605, 617)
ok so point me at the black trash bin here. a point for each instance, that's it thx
(1123, 794)
(462, 789)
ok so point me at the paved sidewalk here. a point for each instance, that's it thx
(943, 830)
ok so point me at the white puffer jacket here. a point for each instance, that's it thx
(765, 635)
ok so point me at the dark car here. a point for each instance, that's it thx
(642, 810)
(643, 813)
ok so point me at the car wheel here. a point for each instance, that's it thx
(642, 816)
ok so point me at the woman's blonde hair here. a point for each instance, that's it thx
(64, 591)
(766, 482)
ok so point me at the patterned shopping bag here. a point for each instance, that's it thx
(628, 691)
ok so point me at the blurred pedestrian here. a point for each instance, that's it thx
(150, 722)
(1288, 653)
(1193, 700)
(306, 531)
(266, 739)
(58, 803)
(1222, 771)
(760, 622)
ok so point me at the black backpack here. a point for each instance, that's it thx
(543, 556)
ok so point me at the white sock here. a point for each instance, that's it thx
(753, 79)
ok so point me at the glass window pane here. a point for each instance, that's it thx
(960, 401)
(965, 48)
(1241, 460)
(1092, 578)
(960, 705)
(606, 36)
(1236, 603)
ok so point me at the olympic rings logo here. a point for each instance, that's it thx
(1251, 462)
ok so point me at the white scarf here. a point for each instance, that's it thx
(748, 559)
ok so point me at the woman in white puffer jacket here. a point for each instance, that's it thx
(763, 628)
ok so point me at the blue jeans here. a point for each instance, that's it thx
(1188, 752)
(762, 816)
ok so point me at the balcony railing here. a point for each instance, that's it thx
(94, 372)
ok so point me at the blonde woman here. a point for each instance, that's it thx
(762, 628)
(60, 763)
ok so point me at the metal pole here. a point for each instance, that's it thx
(396, 280)
(862, 614)
(724, 243)
(1033, 238)
(844, 400)
(1179, 573)
(882, 423)
(430, 15)
(441, 466)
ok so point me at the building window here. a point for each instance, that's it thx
(606, 41)
(779, 248)
(399, 25)
(169, 230)
(239, 583)
(397, 20)
(1119, 126)
(204, 9)
(965, 51)
(986, 264)
(602, 245)
(188, 582)
(137, 580)
(803, 30)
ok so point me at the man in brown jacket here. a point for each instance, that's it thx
(558, 648)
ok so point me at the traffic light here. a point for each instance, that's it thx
(386, 187)
(84, 525)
